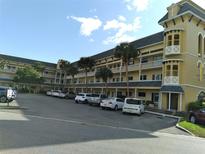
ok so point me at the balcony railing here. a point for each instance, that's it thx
(8, 70)
(171, 80)
(152, 64)
(174, 49)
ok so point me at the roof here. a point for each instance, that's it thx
(27, 61)
(185, 7)
(148, 40)
(168, 88)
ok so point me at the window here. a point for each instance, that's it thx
(169, 43)
(113, 80)
(200, 45)
(144, 60)
(141, 94)
(176, 39)
(131, 61)
(155, 97)
(156, 77)
(117, 79)
(175, 70)
(119, 100)
(143, 77)
(200, 70)
(130, 78)
(168, 70)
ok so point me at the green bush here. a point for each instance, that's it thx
(196, 105)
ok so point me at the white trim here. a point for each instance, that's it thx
(180, 105)
(173, 60)
(169, 101)
(189, 85)
(172, 29)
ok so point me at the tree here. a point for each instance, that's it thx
(126, 51)
(104, 73)
(39, 67)
(28, 75)
(86, 63)
(2, 63)
(64, 65)
(72, 70)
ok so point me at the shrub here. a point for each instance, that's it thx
(196, 105)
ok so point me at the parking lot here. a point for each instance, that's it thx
(44, 122)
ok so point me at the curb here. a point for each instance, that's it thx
(164, 115)
(185, 130)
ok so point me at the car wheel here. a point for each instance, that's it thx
(103, 108)
(86, 101)
(76, 101)
(116, 108)
(192, 119)
(3, 99)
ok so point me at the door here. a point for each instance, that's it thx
(174, 101)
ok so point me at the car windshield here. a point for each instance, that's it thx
(133, 101)
(95, 95)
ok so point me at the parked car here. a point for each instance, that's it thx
(14, 94)
(133, 105)
(82, 97)
(6, 94)
(70, 95)
(49, 93)
(197, 116)
(112, 103)
(96, 99)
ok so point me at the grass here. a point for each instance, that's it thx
(196, 129)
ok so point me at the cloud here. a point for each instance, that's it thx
(91, 40)
(122, 30)
(138, 5)
(88, 25)
(121, 18)
(92, 10)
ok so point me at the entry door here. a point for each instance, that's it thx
(174, 101)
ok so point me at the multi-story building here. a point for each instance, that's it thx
(170, 70)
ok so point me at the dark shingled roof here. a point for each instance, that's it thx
(27, 61)
(184, 8)
(151, 39)
(167, 88)
(123, 84)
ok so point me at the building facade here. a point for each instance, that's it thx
(170, 71)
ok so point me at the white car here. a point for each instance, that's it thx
(82, 97)
(49, 93)
(112, 103)
(56, 93)
(133, 105)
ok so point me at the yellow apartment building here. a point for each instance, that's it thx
(170, 71)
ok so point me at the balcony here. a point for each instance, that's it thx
(174, 49)
(8, 70)
(152, 64)
(171, 80)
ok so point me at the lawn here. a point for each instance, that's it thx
(196, 129)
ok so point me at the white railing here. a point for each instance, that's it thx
(174, 49)
(8, 70)
(152, 64)
(171, 80)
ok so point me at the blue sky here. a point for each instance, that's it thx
(49, 30)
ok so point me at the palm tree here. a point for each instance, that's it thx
(126, 51)
(72, 70)
(86, 63)
(64, 66)
(104, 73)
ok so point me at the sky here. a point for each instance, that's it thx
(49, 30)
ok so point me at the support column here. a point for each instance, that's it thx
(135, 92)
(169, 101)
(116, 92)
(102, 90)
(160, 101)
(180, 105)
(82, 90)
